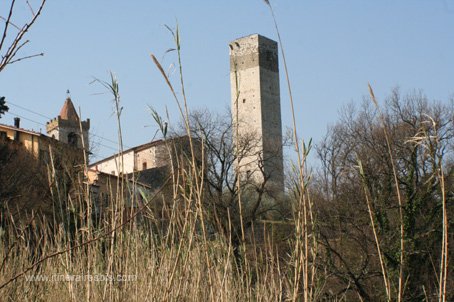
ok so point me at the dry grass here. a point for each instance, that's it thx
(150, 267)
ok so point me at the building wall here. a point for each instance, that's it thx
(144, 159)
(161, 158)
(247, 113)
(38, 145)
(254, 76)
(28, 140)
(105, 183)
(157, 155)
(154, 157)
(113, 166)
(272, 125)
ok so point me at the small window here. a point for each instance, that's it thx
(72, 139)
(244, 101)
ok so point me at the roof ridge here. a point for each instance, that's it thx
(68, 112)
(21, 129)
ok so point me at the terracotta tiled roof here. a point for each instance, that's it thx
(68, 112)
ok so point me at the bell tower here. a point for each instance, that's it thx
(66, 128)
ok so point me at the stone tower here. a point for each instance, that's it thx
(66, 128)
(256, 108)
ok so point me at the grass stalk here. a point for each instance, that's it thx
(399, 197)
(302, 220)
(374, 230)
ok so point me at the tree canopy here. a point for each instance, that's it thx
(358, 166)
(3, 107)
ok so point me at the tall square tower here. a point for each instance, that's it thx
(256, 109)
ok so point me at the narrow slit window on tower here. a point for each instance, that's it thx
(72, 139)
(244, 101)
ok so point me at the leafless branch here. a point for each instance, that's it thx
(27, 57)
(31, 8)
(5, 31)
(7, 57)
(14, 25)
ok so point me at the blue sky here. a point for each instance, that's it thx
(333, 49)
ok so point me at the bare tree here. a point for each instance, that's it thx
(421, 135)
(221, 192)
(13, 35)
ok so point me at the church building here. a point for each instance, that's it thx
(63, 133)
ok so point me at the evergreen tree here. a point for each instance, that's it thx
(3, 107)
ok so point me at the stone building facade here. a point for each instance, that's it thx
(147, 156)
(155, 154)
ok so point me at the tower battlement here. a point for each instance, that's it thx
(59, 122)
